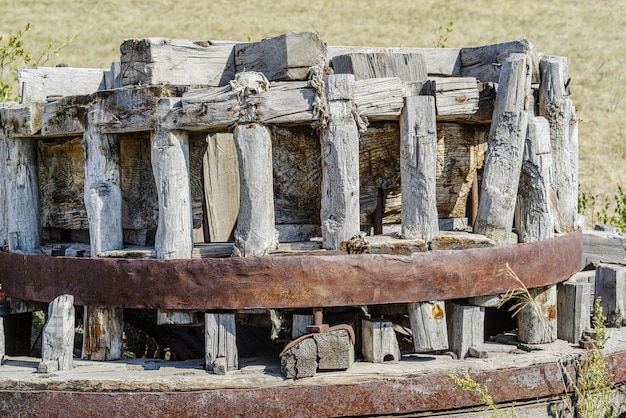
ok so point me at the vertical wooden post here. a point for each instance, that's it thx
(103, 200)
(340, 216)
(2, 341)
(418, 168)
(556, 105)
(256, 232)
(573, 310)
(611, 288)
(221, 340)
(537, 322)
(170, 166)
(503, 160)
(299, 324)
(58, 333)
(4, 210)
(379, 342)
(429, 327)
(466, 327)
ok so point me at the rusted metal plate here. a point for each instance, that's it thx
(428, 392)
(290, 282)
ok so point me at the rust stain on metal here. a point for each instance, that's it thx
(398, 395)
(290, 282)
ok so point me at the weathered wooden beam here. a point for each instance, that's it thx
(66, 116)
(286, 103)
(556, 105)
(573, 310)
(102, 337)
(406, 66)
(221, 340)
(220, 172)
(503, 160)
(611, 289)
(340, 164)
(58, 333)
(299, 324)
(21, 120)
(534, 218)
(177, 61)
(429, 327)
(4, 203)
(485, 63)
(286, 57)
(379, 342)
(23, 231)
(41, 83)
(439, 61)
(455, 97)
(418, 161)
(379, 98)
(466, 327)
(255, 233)
(208, 109)
(537, 321)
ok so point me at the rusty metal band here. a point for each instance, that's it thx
(290, 282)
(398, 395)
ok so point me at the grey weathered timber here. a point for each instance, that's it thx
(220, 169)
(2, 341)
(221, 340)
(589, 277)
(573, 310)
(460, 240)
(340, 165)
(466, 327)
(503, 160)
(406, 66)
(556, 105)
(66, 115)
(4, 209)
(534, 217)
(603, 247)
(103, 195)
(537, 321)
(394, 244)
(418, 161)
(611, 289)
(19, 306)
(439, 61)
(486, 62)
(379, 98)
(288, 103)
(378, 341)
(113, 76)
(489, 301)
(170, 164)
(428, 324)
(173, 317)
(454, 96)
(299, 324)
(213, 109)
(255, 233)
(42, 83)
(286, 57)
(58, 333)
(177, 61)
(21, 120)
(103, 329)
(23, 230)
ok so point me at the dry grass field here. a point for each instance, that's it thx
(591, 34)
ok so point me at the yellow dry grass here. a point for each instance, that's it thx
(591, 34)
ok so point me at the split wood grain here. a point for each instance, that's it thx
(405, 66)
(221, 340)
(38, 84)
(429, 326)
(58, 333)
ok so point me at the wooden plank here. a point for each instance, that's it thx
(287, 103)
(340, 165)
(418, 157)
(38, 84)
(439, 61)
(611, 289)
(221, 340)
(379, 342)
(556, 105)
(220, 169)
(455, 96)
(61, 166)
(460, 240)
(65, 116)
(177, 61)
(465, 327)
(573, 310)
(534, 218)
(406, 66)
(379, 98)
(21, 120)
(286, 57)
(58, 333)
(503, 161)
(4, 208)
(428, 324)
(103, 329)
(486, 62)
(603, 247)
(213, 109)
(22, 195)
(299, 324)
(255, 233)
(537, 322)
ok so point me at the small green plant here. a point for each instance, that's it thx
(587, 205)
(442, 34)
(594, 385)
(614, 211)
(13, 55)
(467, 384)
